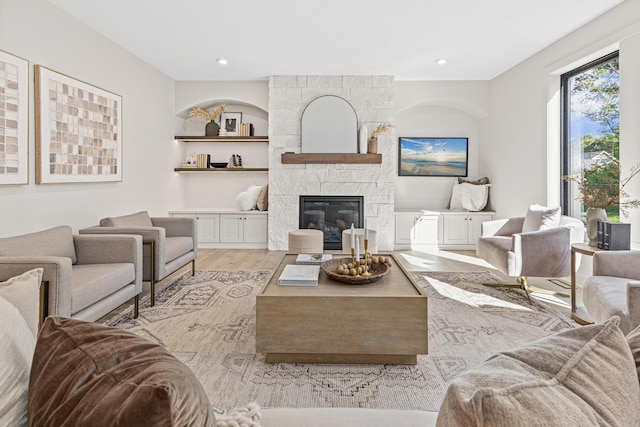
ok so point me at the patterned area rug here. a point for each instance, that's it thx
(208, 322)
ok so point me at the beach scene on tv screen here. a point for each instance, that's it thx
(433, 156)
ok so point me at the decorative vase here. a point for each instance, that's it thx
(594, 215)
(373, 145)
(211, 129)
(363, 139)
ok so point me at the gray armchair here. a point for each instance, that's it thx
(614, 288)
(168, 243)
(542, 253)
(88, 276)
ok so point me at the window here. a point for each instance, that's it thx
(590, 130)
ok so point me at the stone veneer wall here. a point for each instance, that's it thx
(372, 97)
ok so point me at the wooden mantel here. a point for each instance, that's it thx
(325, 158)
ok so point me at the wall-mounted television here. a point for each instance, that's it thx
(426, 156)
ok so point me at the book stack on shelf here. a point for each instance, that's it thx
(245, 129)
(299, 275)
(202, 161)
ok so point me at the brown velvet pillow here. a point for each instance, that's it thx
(263, 199)
(480, 181)
(84, 373)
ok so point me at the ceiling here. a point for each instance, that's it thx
(480, 38)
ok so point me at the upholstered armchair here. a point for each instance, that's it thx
(539, 248)
(614, 288)
(88, 276)
(168, 243)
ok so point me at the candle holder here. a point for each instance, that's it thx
(366, 258)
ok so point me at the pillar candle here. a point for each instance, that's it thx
(353, 237)
(358, 250)
(366, 231)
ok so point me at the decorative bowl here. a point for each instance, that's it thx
(219, 165)
(377, 272)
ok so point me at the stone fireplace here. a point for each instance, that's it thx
(372, 100)
(331, 215)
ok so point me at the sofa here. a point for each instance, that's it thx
(83, 373)
(88, 276)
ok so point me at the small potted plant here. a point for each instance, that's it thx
(212, 128)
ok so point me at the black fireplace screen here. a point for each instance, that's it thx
(331, 215)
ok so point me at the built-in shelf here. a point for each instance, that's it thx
(222, 138)
(324, 158)
(221, 169)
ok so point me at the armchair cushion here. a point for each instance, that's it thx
(84, 373)
(139, 219)
(176, 247)
(95, 282)
(583, 376)
(541, 218)
(606, 296)
(57, 241)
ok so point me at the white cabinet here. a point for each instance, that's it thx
(228, 229)
(444, 229)
(462, 229)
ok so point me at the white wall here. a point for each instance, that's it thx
(43, 34)
(516, 141)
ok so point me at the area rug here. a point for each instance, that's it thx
(208, 322)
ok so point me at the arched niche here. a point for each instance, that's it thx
(329, 125)
(186, 125)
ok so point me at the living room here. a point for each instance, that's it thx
(512, 121)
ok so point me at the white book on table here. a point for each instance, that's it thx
(312, 258)
(299, 275)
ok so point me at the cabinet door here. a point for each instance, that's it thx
(456, 229)
(426, 230)
(475, 222)
(208, 228)
(231, 228)
(405, 223)
(255, 229)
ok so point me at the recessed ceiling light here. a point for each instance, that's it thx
(441, 61)
(221, 61)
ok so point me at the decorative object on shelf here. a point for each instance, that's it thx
(599, 187)
(248, 199)
(62, 102)
(14, 151)
(343, 270)
(363, 139)
(212, 128)
(373, 140)
(424, 156)
(191, 161)
(231, 123)
(216, 165)
(236, 161)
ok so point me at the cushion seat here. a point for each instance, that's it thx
(94, 282)
(176, 247)
(606, 296)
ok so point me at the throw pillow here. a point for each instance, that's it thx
(633, 339)
(16, 350)
(579, 377)
(23, 292)
(469, 197)
(263, 199)
(139, 219)
(85, 373)
(480, 181)
(541, 218)
(248, 199)
(57, 241)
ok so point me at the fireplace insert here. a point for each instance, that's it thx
(331, 215)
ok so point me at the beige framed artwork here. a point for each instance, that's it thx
(14, 120)
(78, 130)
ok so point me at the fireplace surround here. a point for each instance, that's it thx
(331, 215)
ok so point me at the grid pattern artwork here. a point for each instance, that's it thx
(80, 138)
(14, 140)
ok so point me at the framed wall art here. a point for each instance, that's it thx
(425, 156)
(78, 130)
(14, 120)
(230, 122)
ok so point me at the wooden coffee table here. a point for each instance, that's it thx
(382, 322)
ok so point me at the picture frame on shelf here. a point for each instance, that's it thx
(14, 126)
(428, 156)
(230, 122)
(78, 130)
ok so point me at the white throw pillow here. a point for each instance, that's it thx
(248, 199)
(541, 218)
(17, 345)
(471, 197)
(23, 292)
